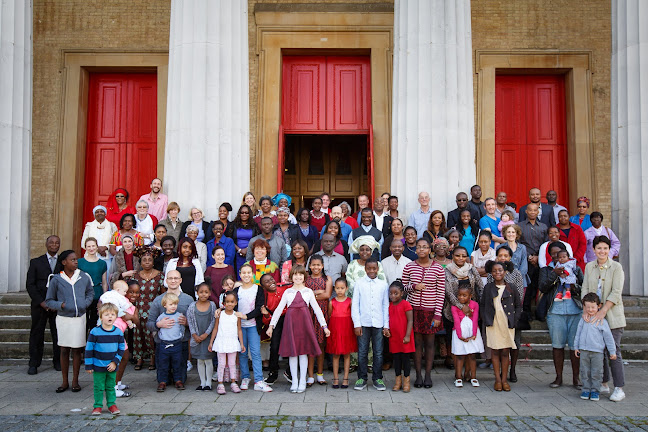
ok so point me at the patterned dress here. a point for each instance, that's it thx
(143, 344)
(317, 284)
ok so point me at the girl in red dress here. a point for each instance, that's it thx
(322, 286)
(401, 342)
(343, 340)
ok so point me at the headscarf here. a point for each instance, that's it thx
(99, 207)
(140, 251)
(112, 201)
(131, 237)
(365, 240)
(279, 197)
(283, 210)
(583, 199)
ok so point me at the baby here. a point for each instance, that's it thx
(507, 218)
(568, 276)
(118, 297)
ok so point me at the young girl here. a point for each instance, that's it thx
(227, 340)
(483, 254)
(506, 219)
(298, 339)
(466, 337)
(200, 318)
(501, 308)
(401, 342)
(322, 287)
(343, 340)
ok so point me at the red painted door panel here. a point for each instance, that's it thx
(348, 93)
(121, 148)
(304, 93)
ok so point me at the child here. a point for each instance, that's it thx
(200, 318)
(273, 296)
(506, 219)
(483, 254)
(568, 276)
(170, 355)
(370, 314)
(501, 308)
(466, 337)
(104, 350)
(589, 344)
(322, 286)
(454, 238)
(227, 340)
(227, 283)
(342, 341)
(117, 296)
(401, 342)
(298, 339)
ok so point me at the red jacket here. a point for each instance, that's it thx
(577, 241)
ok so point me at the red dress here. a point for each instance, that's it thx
(317, 284)
(398, 328)
(342, 340)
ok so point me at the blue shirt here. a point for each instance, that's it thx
(201, 233)
(227, 244)
(468, 240)
(419, 220)
(586, 222)
(370, 306)
(488, 222)
(344, 227)
(593, 337)
(173, 333)
(103, 347)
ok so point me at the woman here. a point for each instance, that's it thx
(598, 229)
(491, 222)
(468, 230)
(188, 265)
(364, 247)
(397, 234)
(265, 204)
(285, 230)
(341, 246)
(97, 269)
(223, 214)
(582, 219)
(283, 200)
(607, 276)
(201, 248)
(553, 233)
(512, 234)
(563, 316)
(219, 239)
(196, 219)
(241, 230)
(118, 206)
(250, 201)
(410, 243)
(168, 253)
(440, 247)
(573, 234)
(346, 213)
(102, 231)
(160, 232)
(308, 232)
(261, 264)
(216, 272)
(125, 264)
(70, 293)
(424, 281)
(298, 256)
(318, 217)
(172, 222)
(151, 283)
(436, 226)
(145, 223)
(126, 228)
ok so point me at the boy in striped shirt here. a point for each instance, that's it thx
(104, 351)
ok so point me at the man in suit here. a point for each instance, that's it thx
(546, 215)
(381, 220)
(38, 275)
(454, 216)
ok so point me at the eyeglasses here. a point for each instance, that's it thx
(174, 278)
(120, 196)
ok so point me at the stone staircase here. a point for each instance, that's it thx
(15, 321)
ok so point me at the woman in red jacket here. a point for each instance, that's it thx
(573, 234)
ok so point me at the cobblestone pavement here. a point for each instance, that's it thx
(322, 424)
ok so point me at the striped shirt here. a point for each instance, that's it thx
(432, 297)
(104, 347)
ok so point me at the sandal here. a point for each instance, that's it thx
(138, 366)
(336, 383)
(345, 385)
(62, 389)
(151, 367)
(76, 388)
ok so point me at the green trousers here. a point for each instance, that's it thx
(104, 382)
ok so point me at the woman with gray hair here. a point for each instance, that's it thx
(201, 248)
(346, 213)
(145, 223)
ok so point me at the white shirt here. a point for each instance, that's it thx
(542, 253)
(101, 231)
(380, 220)
(246, 303)
(370, 306)
(201, 249)
(287, 298)
(394, 268)
(145, 228)
(557, 209)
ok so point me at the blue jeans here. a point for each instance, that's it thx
(252, 342)
(375, 336)
(169, 358)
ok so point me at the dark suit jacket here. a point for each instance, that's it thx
(37, 276)
(548, 218)
(454, 216)
(386, 228)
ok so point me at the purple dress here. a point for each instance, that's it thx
(298, 337)
(243, 236)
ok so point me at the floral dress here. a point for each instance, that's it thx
(143, 344)
(317, 284)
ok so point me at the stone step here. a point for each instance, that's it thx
(20, 350)
(632, 323)
(542, 337)
(15, 322)
(544, 352)
(15, 298)
(20, 335)
(14, 309)
(630, 301)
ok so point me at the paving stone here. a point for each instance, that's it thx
(264, 408)
(349, 409)
(305, 408)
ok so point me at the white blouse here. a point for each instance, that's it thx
(287, 298)
(103, 232)
(145, 228)
(173, 264)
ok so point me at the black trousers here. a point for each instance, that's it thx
(532, 290)
(40, 318)
(274, 345)
(402, 363)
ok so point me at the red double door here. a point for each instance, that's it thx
(530, 136)
(121, 148)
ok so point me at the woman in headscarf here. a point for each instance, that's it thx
(125, 264)
(102, 231)
(283, 200)
(126, 228)
(364, 247)
(118, 205)
(582, 218)
(285, 230)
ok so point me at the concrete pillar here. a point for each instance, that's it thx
(15, 141)
(630, 139)
(433, 133)
(207, 146)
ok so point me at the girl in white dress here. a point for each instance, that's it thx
(227, 340)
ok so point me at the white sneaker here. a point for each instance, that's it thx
(262, 387)
(215, 376)
(458, 383)
(189, 365)
(474, 382)
(605, 389)
(617, 395)
(245, 383)
(121, 386)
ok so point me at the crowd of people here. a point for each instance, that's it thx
(326, 284)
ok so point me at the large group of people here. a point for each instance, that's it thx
(329, 283)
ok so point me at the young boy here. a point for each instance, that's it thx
(568, 276)
(104, 350)
(170, 355)
(589, 344)
(370, 315)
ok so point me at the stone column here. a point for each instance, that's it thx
(15, 141)
(433, 133)
(630, 139)
(207, 146)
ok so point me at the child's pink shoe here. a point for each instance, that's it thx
(220, 389)
(235, 388)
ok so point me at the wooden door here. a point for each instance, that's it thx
(304, 93)
(121, 146)
(530, 136)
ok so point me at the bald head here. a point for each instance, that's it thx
(173, 279)
(336, 213)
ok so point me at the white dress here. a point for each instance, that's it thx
(227, 340)
(460, 347)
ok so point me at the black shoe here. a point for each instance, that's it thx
(57, 367)
(272, 378)
(33, 370)
(287, 376)
(199, 388)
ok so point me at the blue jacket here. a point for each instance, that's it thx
(227, 244)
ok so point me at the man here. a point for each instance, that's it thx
(546, 212)
(394, 264)
(38, 275)
(218, 228)
(363, 203)
(367, 228)
(382, 220)
(420, 218)
(503, 206)
(326, 202)
(335, 265)
(454, 216)
(157, 201)
(277, 246)
(475, 204)
(173, 281)
(336, 215)
(552, 200)
(534, 233)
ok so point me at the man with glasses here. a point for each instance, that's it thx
(454, 216)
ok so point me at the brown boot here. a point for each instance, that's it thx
(406, 384)
(397, 384)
